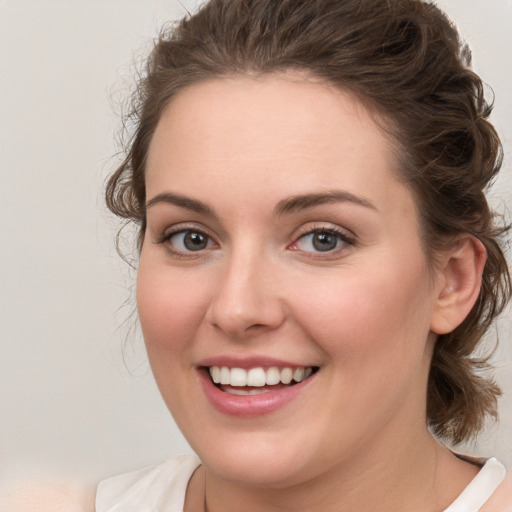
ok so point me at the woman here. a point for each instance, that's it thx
(318, 262)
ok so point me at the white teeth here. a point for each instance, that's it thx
(238, 377)
(215, 373)
(225, 375)
(257, 377)
(286, 375)
(272, 376)
(298, 374)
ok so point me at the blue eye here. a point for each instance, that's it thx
(189, 241)
(322, 240)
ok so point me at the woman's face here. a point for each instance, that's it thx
(280, 242)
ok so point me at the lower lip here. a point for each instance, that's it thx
(250, 405)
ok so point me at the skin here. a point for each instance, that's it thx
(366, 313)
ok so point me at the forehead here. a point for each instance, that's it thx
(292, 131)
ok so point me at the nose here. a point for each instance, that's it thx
(247, 302)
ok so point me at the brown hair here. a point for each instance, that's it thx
(403, 58)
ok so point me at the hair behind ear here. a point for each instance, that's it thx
(461, 394)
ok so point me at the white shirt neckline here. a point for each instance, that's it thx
(163, 487)
(480, 489)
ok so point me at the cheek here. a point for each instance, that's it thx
(169, 309)
(370, 316)
(373, 330)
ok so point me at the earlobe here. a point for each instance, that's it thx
(460, 278)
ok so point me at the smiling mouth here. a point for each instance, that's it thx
(258, 380)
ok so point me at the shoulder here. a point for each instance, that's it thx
(489, 491)
(501, 500)
(147, 489)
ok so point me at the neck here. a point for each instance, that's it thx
(419, 475)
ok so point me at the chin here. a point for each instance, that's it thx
(267, 460)
(256, 471)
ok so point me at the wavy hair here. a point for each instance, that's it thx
(402, 58)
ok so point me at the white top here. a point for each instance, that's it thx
(480, 489)
(162, 488)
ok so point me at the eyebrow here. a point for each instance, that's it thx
(305, 201)
(285, 206)
(182, 202)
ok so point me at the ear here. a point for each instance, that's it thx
(460, 278)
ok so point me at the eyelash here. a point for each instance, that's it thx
(166, 239)
(341, 236)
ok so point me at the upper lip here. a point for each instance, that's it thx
(251, 362)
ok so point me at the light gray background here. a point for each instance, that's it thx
(68, 405)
